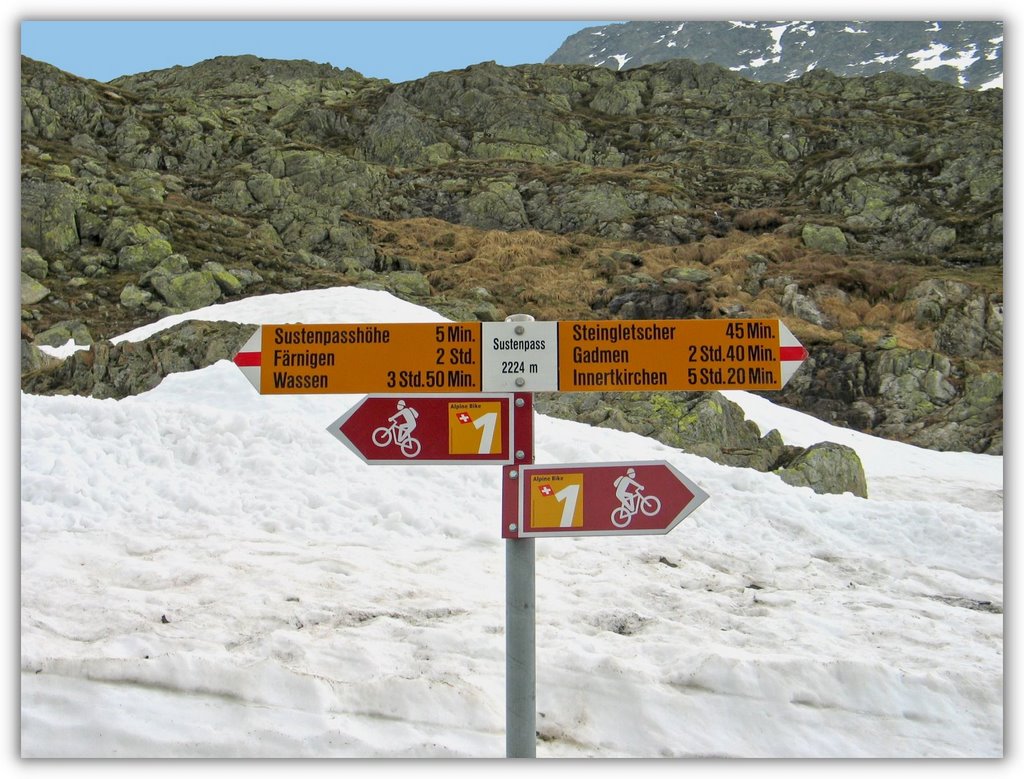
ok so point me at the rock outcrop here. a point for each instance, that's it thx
(107, 370)
(710, 425)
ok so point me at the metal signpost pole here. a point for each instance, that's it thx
(520, 599)
(520, 650)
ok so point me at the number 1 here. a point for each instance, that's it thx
(486, 424)
(568, 496)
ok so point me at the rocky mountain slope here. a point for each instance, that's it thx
(968, 54)
(865, 212)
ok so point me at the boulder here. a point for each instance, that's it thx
(639, 300)
(798, 304)
(32, 291)
(399, 134)
(621, 98)
(825, 238)
(135, 297)
(142, 257)
(246, 276)
(827, 468)
(972, 329)
(121, 232)
(968, 322)
(62, 332)
(33, 264)
(35, 359)
(264, 233)
(941, 239)
(688, 275)
(909, 383)
(598, 208)
(351, 242)
(188, 291)
(408, 285)
(499, 207)
(48, 216)
(226, 280)
(171, 265)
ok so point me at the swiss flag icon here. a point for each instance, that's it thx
(545, 490)
(464, 418)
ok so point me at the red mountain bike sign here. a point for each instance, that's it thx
(428, 429)
(603, 499)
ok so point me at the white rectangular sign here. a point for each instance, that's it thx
(520, 356)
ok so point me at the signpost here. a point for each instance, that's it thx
(495, 367)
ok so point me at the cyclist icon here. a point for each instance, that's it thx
(628, 490)
(399, 431)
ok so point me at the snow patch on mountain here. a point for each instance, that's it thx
(968, 54)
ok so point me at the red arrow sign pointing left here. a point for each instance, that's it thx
(428, 429)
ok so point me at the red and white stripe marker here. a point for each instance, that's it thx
(792, 353)
(249, 358)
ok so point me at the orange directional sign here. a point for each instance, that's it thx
(577, 356)
(352, 359)
(675, 354)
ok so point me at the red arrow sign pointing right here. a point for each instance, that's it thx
(604, 499)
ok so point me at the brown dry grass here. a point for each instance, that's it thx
(758, 219)
(541, 274)
(563, 276)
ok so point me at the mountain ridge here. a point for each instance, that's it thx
(965, 53)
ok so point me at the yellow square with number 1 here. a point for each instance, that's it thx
(556, 500)
(474, 427)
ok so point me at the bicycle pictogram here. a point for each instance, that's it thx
(399, 431)
(631, 500)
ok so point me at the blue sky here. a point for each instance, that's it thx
(101, 45)
(396, 50)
